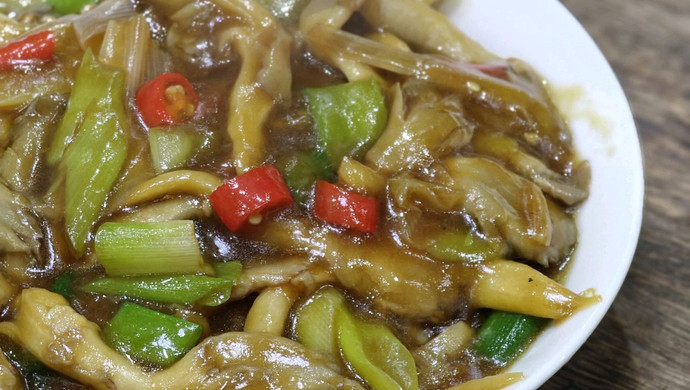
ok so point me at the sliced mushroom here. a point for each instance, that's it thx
(424, 27)
(571, 190)
(502, 203)
(419, 128)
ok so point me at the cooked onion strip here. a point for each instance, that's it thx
(335, 15)
(361, 178)
(264, 78)
(64, 340)
(270, 310)
(280, 271)
(446, 345)
(492, 382)
(424, 27)
(249, 108)
(185, 207)
(514, 287)
(10, 29)
(94, 22)
(196, 183)
(126, 46)
(444, 72)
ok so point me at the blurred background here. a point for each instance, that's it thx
(644, 340)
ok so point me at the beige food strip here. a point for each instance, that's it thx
(419, 24)
(361, 178)
(518, 288)
(175, 182)
(270, 310)
(493, 382)
(264, 78)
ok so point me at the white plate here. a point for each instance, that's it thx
(545, 34)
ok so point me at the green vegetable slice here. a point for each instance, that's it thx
(63, 284)
(182, 289)
(91, 83)
(94, 159)
(230, 270)
(172, 147)
(141, 248)
(505, 335)
(375, 354)
(150, 336)
(315, 325)
(461, 245)
(65, 7)
(348, 118)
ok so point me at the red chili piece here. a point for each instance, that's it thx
(248, 197)
(497, 70)
(35, 47)
(169, 99)
(339, 207)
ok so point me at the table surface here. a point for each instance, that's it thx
(644, 340)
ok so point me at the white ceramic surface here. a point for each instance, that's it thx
(546, 35)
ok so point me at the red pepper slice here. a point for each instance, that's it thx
(339, 207)
(169, 99)
(35, 47)
(244, 199)
(497, 70)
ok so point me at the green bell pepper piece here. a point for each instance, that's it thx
(63, 284)
(505, 335)
(65, 7)
(301, 170)
(348, 118)
(151, 336)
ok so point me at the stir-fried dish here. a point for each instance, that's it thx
(283, 194)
